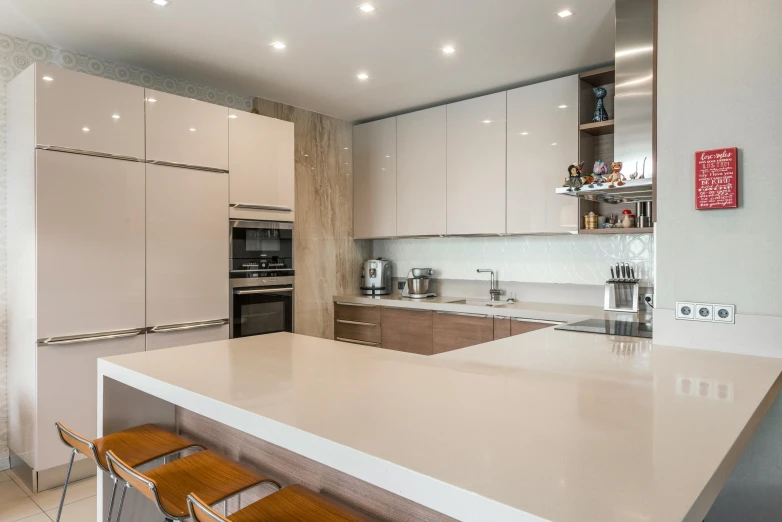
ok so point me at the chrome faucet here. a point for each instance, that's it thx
(494, 292)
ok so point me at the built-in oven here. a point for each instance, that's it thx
(262, 277)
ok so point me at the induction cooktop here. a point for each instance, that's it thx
(610, 327)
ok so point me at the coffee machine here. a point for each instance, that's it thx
(376, 277)
(417, 284)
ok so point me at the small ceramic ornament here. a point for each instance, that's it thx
(634, 175)
(573, 180)
(616, 175)
(599, 170)
(600, 112)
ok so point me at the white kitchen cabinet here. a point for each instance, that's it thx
(476, 166)
(187, 246)
(542, 142)
(421, 173)
(88, 113)
(90, 248)
(374, 179)
(261, 166)
(184, 131)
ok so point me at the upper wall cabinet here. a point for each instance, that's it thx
(82, 112)
(186, 131)
(261, 166)
(542, 142)
(476, 165)
(374, 179)
(420, 173)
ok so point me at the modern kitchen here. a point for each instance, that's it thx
(390, 261)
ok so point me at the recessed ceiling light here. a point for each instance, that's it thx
(151, 100)
(86, 129)
(47, 79)
(524, 133)
(115, 116)
(192, 129)
(563, 106)
(161, 3)
(448, 49)
(278, 45)
(367, 8)
(565, 13)
(486, 121)
(233, 116)
(362, 76)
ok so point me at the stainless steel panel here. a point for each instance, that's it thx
(272, 225)
(252, 282)
(634, 84)
(283, 290)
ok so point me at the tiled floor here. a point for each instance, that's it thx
(19, 504)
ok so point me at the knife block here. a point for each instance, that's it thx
(621, 297)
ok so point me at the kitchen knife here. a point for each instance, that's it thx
(632, 272)
(624, 276)
(618, 273)
(613, 278)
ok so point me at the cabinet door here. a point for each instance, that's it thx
(476, 165)
(90, 244)
(84, 112)
(186, 131)
(501, 327)
(453, 331)
(261, 166)
(407, 330)
(374, 179)
(420, 173)
(521, 326)
(542, 142)
(66, 391)
(187, 246)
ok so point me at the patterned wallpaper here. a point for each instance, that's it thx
(16, 54)
(569, 259)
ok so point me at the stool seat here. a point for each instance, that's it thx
(141, 445)
(297, 504)
(207, 474)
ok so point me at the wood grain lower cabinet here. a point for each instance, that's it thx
(357, 312)
(407, 330)
(452, 331)
(521, 326)
(357, 323)
(501, 327)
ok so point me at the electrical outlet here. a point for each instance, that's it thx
(400, 285)
(704, 312)
(724, 314)
(685, 311)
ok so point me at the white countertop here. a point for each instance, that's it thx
(558, 425)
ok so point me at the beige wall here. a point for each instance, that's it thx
(326, 258)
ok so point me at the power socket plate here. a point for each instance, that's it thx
(724, 313)
(685, 311)
(704, 312)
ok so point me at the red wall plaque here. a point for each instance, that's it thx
(716, 179)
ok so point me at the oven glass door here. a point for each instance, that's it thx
(262, 240)
(262, 310)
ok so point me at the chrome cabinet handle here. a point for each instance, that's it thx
(264, 291)
(463, 313)
(250, 206)
(186, 166)
(119, 334)
(359, 323)
(88, 153)
(187, 326)
(541, 321)
(357, 304)
(355, 341)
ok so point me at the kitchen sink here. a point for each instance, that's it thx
(480, 302)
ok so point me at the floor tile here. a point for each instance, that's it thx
(15, 504)
(4, 477)
(40, 517)
(80, 490)
(19, 483)
(78, 511)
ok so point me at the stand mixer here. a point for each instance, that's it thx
(417, 285)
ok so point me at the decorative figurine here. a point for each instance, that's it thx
(599, 170)
(573, 180)
(616, 175)
(634, 175)
(643, 172)
(600, 112)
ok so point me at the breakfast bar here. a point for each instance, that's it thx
(550, 425)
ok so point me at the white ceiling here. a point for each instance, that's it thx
(225, 43)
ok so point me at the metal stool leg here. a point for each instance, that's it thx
(65, 487)
(111, 502)
(122, 500)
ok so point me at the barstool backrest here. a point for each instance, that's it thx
(73, 440)
(201, 512)
(143, 484)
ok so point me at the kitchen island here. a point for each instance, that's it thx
(550, 425)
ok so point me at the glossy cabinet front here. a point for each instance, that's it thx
(261, 167)
(186, 131)
(476, 166)
(83, 112)
(542, 142)
(187, 246)
(90, 244)
(421, 173)
(374, 179)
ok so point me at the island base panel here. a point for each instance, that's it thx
(291, 468)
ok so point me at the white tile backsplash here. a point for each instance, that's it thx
(572, 259)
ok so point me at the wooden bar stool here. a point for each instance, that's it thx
(211, 476)
(138, 446)
(291, 504)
